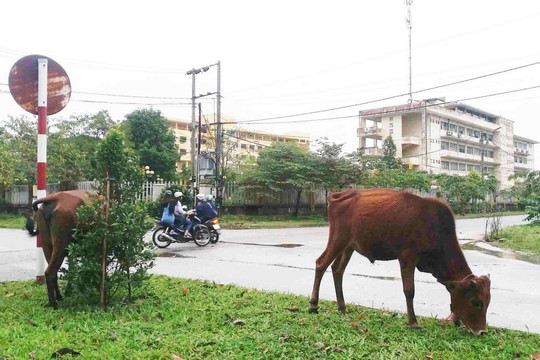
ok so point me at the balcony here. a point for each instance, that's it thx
(409, 140)
(373, 132)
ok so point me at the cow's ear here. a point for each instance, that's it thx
(451, 285)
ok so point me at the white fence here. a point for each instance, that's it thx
(18, 194)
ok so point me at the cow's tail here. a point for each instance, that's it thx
(30, 223)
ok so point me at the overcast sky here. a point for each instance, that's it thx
(281, 57)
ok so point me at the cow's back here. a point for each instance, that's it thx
(383, 223)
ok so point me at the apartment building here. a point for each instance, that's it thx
(453, 138)
(239, 143)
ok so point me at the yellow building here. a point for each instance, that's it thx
(238, 143)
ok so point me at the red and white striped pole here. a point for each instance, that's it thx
(41, 154)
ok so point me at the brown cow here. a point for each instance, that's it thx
(55, 221)
(384, 224)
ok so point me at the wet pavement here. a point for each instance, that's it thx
(283, 260)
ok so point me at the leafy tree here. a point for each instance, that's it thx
(64, 163)
(283, 166)
(7, 168)
(528, 192)
(389, 160)
(462, 191)
(153, 142)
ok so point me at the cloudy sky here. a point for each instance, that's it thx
(280, 57)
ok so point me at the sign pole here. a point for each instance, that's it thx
(41, 154)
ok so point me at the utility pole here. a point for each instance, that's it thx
(219, 142)
(193, 72)
(482, 139)
(408, 21)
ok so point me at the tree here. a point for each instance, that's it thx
(284, 166)
(65, 162)
(152, 141)
(389, 154)
(528, 193)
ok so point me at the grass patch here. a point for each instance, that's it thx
(505, 213)
(14, 221)
(270, 221)
(203, 320)
(522, 238)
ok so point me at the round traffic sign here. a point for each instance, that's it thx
(23, 84)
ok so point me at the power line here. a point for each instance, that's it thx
(130, 103)
(394, 111)
(397, 96)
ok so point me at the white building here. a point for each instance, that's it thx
(438, 137)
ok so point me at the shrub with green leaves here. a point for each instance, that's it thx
(128, 257)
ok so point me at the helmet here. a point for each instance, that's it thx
(178, 194)
(200, 197)
(209, 197)
(167, 193)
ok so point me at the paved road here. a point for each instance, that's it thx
(283, 260)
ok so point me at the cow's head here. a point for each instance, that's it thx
(470, 300)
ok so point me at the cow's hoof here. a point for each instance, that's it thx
(313, 310)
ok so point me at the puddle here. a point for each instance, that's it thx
(287, 246)
(531, 258)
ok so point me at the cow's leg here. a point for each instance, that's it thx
(322, 263)
(407, 276)
(338, 268)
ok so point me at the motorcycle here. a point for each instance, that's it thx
(215, 229)
(166, 233)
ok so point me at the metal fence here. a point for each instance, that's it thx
(233, 194)
(18, 194)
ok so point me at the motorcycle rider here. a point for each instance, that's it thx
(180, 215)
(210, 200)
(204, 210)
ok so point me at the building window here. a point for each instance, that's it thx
(251, 147)
(444, 145)
(453, 147)
(453, 166)
(461, 148)
(183, 139)
(243, 146)
(391, 125)
(490, 154)
(469, 167)
(453, 127)
(183, 152)
(470, 150)
(462, 167)
(470, 132)
(461, 130)
(444, 125)
(477, 151)
(477, 134)
(490, 137)
(477, 168)
(445, 165)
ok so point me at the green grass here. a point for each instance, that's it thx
(505, 213)
(522, 238)
(12, 220)
(270, 221)
(202, 320)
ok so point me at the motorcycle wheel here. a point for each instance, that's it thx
(214, 236)
(158, 238)
(202, 236)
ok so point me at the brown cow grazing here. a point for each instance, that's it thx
(55, 221)
(384, 224)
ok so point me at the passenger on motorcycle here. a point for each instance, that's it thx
(210, 200)
(167, 204)
(204, 210)
(180, 215)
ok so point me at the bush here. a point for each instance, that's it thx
(128, 256)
